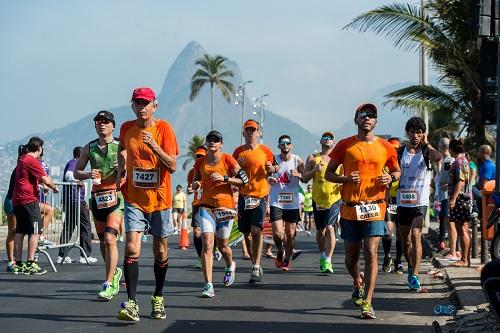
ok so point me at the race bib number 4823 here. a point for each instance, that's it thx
(105, 199)
(367, 212)
(146, 178)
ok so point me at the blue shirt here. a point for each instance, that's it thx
(72, 194)
(487, 170)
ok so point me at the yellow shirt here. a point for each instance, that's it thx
(325, 193)
(179, 199)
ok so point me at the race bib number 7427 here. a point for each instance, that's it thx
(146, 178)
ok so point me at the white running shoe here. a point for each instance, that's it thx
(91, 259)
(67, 260)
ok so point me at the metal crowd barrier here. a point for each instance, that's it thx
(63, 230)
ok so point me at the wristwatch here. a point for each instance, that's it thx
(393, 178)
(226, 179)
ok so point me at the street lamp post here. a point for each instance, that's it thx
(259, 102)
(240, 99)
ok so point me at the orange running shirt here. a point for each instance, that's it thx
(253, 161)
(369, 159)
(216, 194)
(147, 185)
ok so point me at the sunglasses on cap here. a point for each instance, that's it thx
(213, 139)
(327, 137)
(102, 121)
(365, 114)
(285, 142)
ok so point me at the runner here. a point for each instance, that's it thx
(11, 217)
(257, 160)
(105, 203)
(217, 172)
(413, 193)
(146, 158)
(29, 174)
(195, 222)
(284, 201)
(308, 210)
(390, 220)
(326, 201)
(364, 157)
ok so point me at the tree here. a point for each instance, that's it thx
(195, 142)
(449, 42)
(212, 70)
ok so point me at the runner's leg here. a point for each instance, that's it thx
(207, 256)
(371, 265)
(131, 262)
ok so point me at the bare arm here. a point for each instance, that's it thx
(169, 161)
(122, 159)
(81, 163)
(309, 169)
(46, 180)
(458, 188)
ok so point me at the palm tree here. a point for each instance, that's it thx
(446, 36)
(195, 142)
(212, 70)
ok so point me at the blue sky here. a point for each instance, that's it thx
(62, 60)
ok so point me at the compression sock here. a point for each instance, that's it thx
(131, 270)
(386, 244)
(160, 269)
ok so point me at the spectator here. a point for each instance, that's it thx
(74, 196)
(179, 204)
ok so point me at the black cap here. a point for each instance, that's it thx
(106, 115)
(214, 133)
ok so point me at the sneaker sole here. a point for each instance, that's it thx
(207, 296)
(159, 317)
(126, 317)
(368, 316)
(104, 298)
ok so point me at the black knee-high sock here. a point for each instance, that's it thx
(160, 269)
(198, 244)
(131, 270)
(399, 250)
(386, 244)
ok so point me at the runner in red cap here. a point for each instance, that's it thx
(147, 156)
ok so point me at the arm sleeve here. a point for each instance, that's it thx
(69, 176)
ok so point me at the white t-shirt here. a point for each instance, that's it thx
(415, 182)
(285, 193)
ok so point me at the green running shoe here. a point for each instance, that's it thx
(20, 269)
(106, 293)
(358, 296)
(115, 284)
(129, 311)
(367, 311)
(34, 269)
(158, 307)
(322, 265)
(328, 268)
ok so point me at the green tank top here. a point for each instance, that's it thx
(308, 202)
(106, 162)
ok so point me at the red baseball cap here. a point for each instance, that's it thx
(251, 123)
(144, 93)
(363, 106)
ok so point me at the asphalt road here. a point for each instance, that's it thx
(302, 300)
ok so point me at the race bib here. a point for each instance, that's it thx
(408, 197)
(285, 198)
(146, 178)
(392, 209)
(367, 211)
(105, 199)
(224, 215)
(251, 203)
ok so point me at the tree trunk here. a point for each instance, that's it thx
(212, 122)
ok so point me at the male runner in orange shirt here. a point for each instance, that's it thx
(257, 160)
(147, 156)
(364, 157)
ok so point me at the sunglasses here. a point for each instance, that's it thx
(285, 143)
(326, 138)
(370, 115)
(214, 139)
(102, 121)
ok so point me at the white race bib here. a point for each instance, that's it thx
(251, 203)
(224, 215)
(408, 197)
(105, 199)
(285, 198)
(146, 178)
(367, 211)
(392, 209)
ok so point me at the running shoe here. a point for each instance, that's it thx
(410, 273)
(398, 269)
(34, 269)
(387, 265)
(286, 265)
(208, 291)
(328, 268)
(197, 263)
(367, 311)
(115, 284)
(322, 262)
(67, 260)
(278, 262)
(20, 269)
(296, 254)
(256, 274)
(158, 307)
(229, 275)
(91, 260)
(10, 266)
(129, 311)
(217, 255)
(414, 283)
(106, 292)
(358, 296)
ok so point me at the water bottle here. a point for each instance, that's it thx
(441, 309)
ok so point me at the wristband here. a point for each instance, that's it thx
(226, 179)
